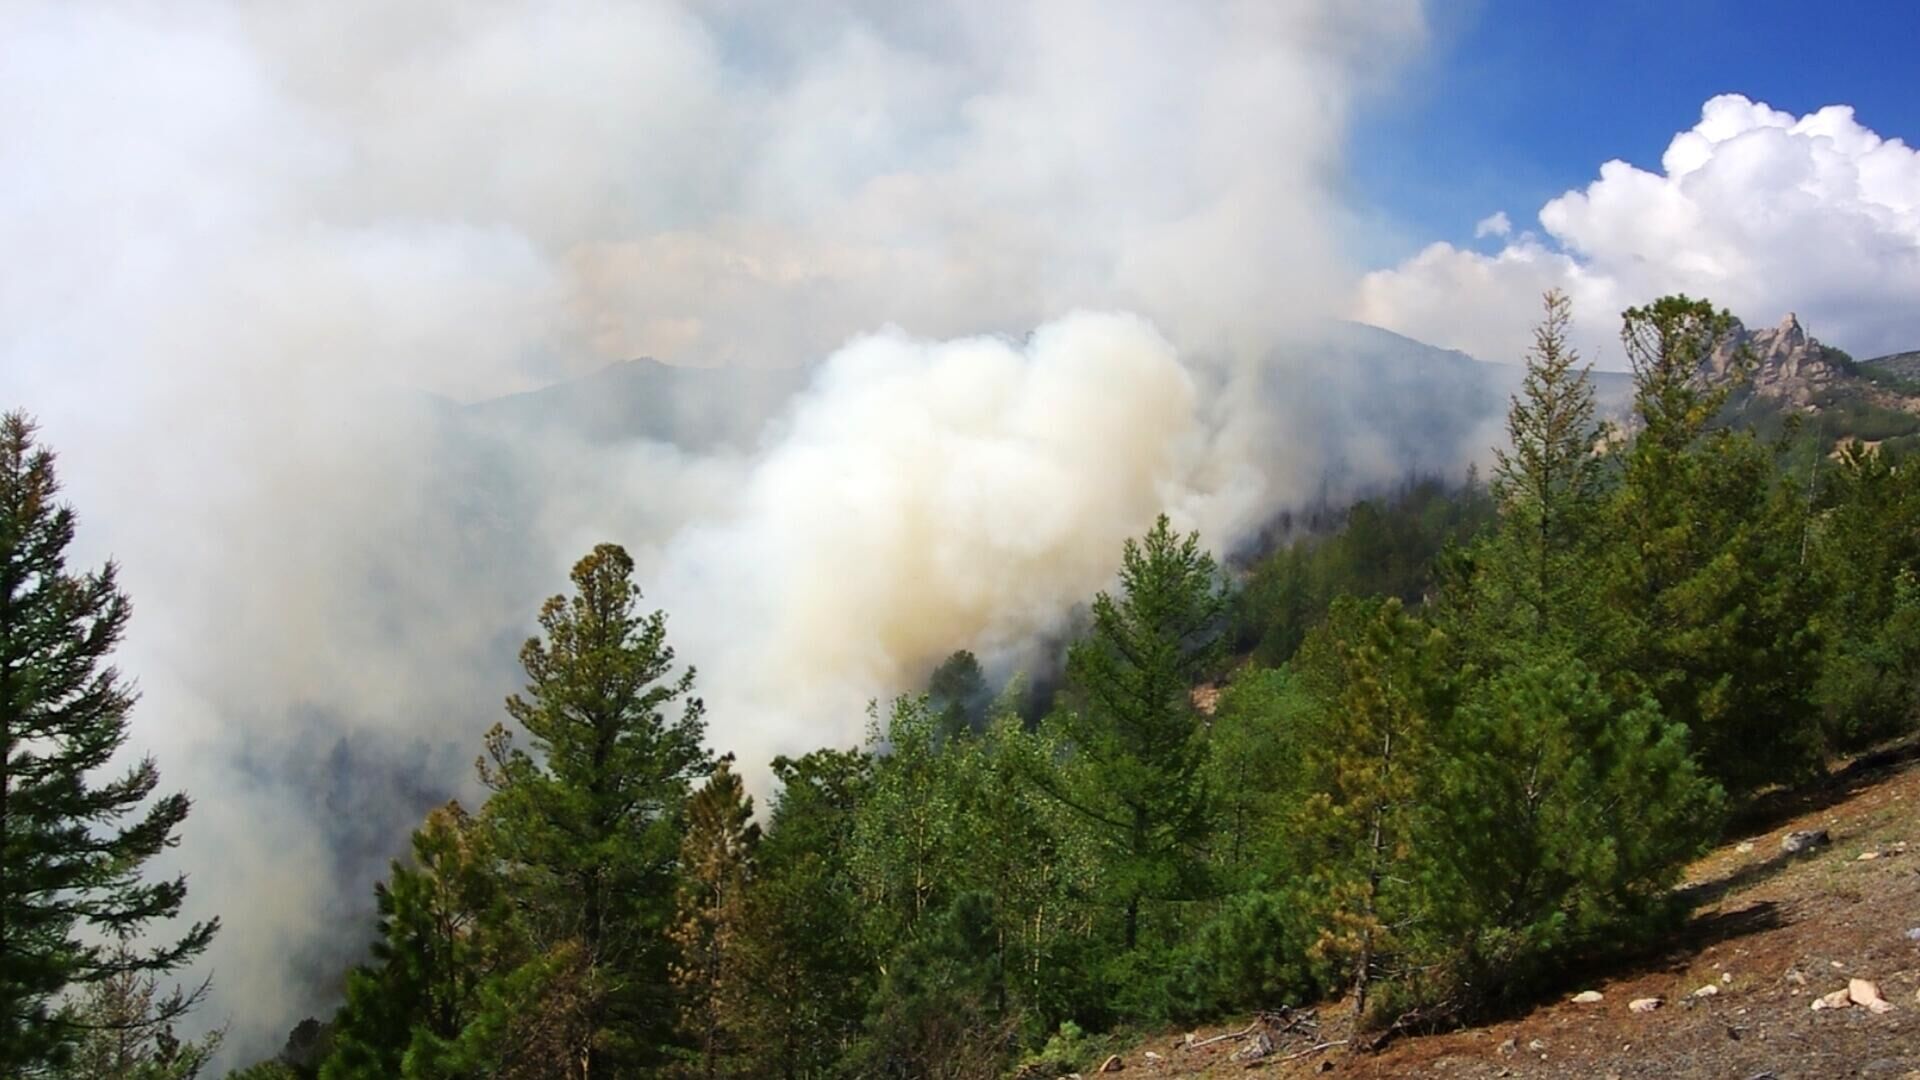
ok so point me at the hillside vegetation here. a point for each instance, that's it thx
(1400, 773)
(1452, 746)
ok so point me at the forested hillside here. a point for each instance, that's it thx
(1415, 756)
(1462, 736)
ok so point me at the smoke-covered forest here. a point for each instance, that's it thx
(1410, 761)
(652, 538)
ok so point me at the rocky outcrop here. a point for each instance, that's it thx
(1787, 364)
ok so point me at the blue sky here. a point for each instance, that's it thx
(1517, 101)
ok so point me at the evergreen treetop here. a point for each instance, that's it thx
(72, 850)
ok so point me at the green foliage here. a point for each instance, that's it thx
(1251, 953)
(946, 818)
(938, 1011)
(1132, 726)
(1865, 552)
(1254, 749)
(1470, 737)
(906, 855)
(73, 842)
(589, 823)
(445, 929)
(1377, 547)
(1532, 587)
(1705, 561)
(806, 969)
(1382, 694)
(716, 864)
(957, 692)
(1565, 820)
(127, 1034)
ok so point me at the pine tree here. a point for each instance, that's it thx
(1865, 558)
(1383, 694)
(1133, 725)
(1565, 817)
(957, 692)
(1536, 579)
(127, 1036)
(1705, 562)
(70, 864)
(716, 860)
(590, 820)
(124, 1038)
(445, 928)
(807, 973)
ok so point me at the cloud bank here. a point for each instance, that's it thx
(263, 252)
(1759, 210)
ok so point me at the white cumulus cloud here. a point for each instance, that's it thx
(1494, 224)
(1757, 209)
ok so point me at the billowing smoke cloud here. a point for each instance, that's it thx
(929, 496)
(1757, 209)
(261, 253)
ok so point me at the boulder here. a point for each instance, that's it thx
(1867, 996)
(1804, 840)
(1588, 997)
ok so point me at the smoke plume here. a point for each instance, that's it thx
(1046, 268)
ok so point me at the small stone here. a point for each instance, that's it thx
(1152, 1058)
(1794, 978)
(1804, 840)
(1726, 977)
(1867, 856)
(1588, 997)
(1745, 847)
(1112, 1064)
(1839, 999)
(1536, 1046)
(1644, 1005)
(1914, 934)
(1867, 996)
(1706, 991)
(1509, 1048)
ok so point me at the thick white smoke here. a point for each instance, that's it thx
(261, 252)
(929, 496)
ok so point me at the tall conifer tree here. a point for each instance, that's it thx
(1549, 486)
(72, 848)
(590, 821)
(1705, 561)
(717, 866)
(1134, 724)
(1383, 692)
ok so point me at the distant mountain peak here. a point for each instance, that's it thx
(1789, 364)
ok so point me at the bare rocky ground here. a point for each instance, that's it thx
(1773, 934)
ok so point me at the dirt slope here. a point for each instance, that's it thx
(1773, 933)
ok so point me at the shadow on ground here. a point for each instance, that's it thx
(1771, 810)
